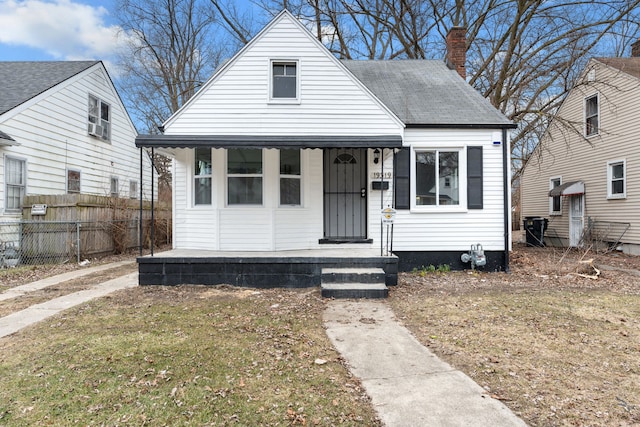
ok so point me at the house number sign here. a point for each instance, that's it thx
(380, 175)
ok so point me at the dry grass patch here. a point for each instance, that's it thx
(181, 356)
(558, 349)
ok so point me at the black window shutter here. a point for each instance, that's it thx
(474, 178)
(402, 178)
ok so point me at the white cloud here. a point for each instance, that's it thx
(62, 28)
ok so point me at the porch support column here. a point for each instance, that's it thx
(381, 199)
(141, 205)
(153, 166)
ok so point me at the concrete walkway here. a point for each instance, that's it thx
(408, 385)
(20, 319)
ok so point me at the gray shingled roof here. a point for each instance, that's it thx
(630, 66)
(426, 93)
(21, 81)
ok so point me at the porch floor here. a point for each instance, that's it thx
(260, 269)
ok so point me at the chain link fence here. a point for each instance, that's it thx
(55, 242)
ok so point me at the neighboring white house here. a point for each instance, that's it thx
(583, 177)
(64, 129)
(287, 148)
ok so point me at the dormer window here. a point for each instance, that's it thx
(284, 80)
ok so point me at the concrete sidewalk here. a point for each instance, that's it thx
(408, 385)
(20, 319)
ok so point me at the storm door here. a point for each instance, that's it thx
(345, 194)
(576, 220)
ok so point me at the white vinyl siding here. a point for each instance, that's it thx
(448, 229)
(330, 99)
(52, 132)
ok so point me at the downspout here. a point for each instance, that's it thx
(506, 190)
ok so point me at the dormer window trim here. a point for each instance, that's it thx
(281, 73)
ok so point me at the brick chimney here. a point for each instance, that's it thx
(457, 50)
(635, 49)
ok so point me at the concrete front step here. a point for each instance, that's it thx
(354, 290)
(353, 275)
(353, 283)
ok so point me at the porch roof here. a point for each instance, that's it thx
(571, 188)
(269, 141)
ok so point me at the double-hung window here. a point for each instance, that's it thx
(290, 177)
(284, 80)
(555, 202)
(73, 181)
(115, 187)
(15, 177)
(133, 189)
(592, 115)
(616, 179)
(244, 176)
(437, 176)
(99, 124)
(202, 176)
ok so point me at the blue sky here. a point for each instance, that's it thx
(38, 30)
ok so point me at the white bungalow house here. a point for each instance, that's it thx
(286, 157)
(582, 178)
(63, 131)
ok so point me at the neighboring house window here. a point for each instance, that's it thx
(284, 80)
(592, 115)
(133, 189)
(15, 176)
(202, 177)
(616, 177)
(99, 118)
(433, 171)
(114, 187)
(244, 175)
(290, 177)
(73, 181)
(555, 203)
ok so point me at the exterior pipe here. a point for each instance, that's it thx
(506, 189)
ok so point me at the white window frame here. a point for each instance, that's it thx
(205, 176)
(289, 176)
(245, 175)
(282, 100)
(134, 191)
(97, 126)
(23, 186)
(587, 117)
(79, 181)
(551, 187)
(114, 186)
(462, 180)
(610, 179)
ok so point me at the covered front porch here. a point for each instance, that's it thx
(268, 269)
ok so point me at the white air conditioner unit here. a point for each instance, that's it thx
(96, 130)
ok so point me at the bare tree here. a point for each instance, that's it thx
(522, 55)
(173, 48)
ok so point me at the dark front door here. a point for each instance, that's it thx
(345, 194)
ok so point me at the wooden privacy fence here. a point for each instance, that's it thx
(59, 228)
